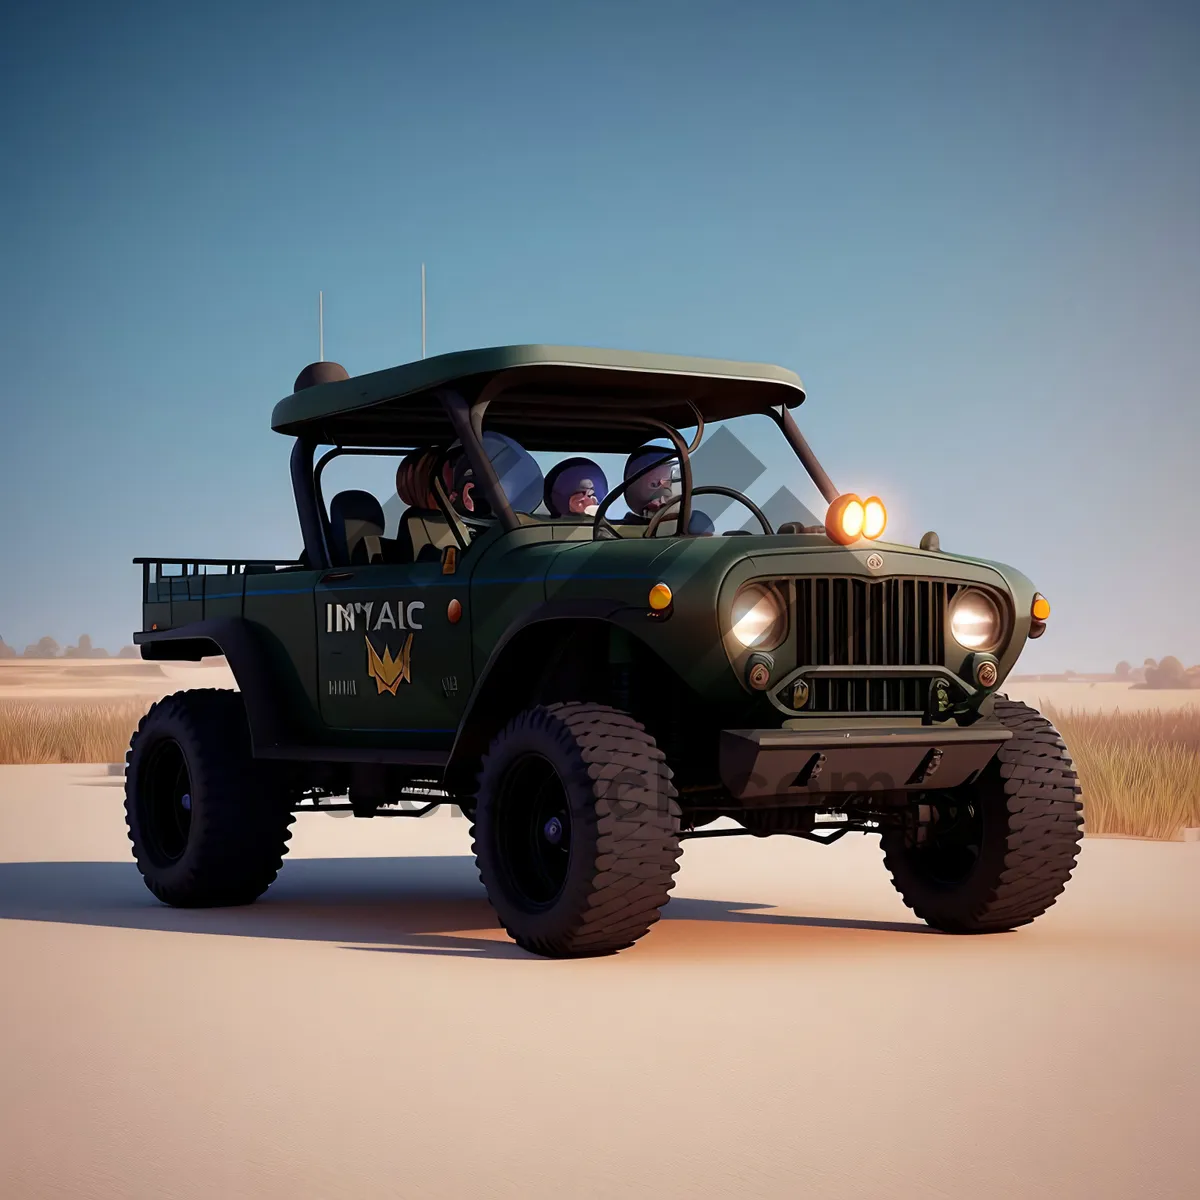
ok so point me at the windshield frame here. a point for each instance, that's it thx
(468, 420)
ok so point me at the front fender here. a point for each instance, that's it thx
(507, 672)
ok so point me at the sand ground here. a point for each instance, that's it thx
(100, 679)
(788, 1029)
(1099, 696)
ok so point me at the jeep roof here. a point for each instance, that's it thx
(532, 386)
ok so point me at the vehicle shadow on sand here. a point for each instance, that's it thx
(419, 905)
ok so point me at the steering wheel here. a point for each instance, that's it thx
(602, 527)
(714, 490)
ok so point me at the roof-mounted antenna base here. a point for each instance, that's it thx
(320, 372)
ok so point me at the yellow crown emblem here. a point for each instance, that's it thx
(388, 672)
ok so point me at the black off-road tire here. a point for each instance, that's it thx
(601, 777)
(225, 844)
(1012, 837)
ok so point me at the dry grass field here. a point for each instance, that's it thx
(1139, 763)
(1140, 770)
(68, 731)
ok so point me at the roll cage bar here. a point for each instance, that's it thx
(467, 422)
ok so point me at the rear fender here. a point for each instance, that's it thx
(263, 693)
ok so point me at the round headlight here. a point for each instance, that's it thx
(975, 620)
(759, 617)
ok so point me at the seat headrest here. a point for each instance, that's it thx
(353, 515)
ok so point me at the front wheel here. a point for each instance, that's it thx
(575, 829)
(997, 853)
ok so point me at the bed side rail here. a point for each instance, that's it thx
(178, 591)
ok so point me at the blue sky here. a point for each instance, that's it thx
(973, 230)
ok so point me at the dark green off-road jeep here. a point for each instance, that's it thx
(591, 689)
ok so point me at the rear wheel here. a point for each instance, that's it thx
(997, 853)
(207, 824)
(576, 829)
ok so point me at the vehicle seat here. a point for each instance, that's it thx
(356, 525)
(422, 536)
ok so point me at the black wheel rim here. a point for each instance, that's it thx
(533, 831)
(953, 843)
(165, 802)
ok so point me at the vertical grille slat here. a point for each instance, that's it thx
(844, 621)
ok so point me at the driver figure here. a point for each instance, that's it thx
(656, 488)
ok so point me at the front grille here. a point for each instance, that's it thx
(866, 623)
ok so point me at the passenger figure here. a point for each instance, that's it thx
(516, 469)
(423, 527)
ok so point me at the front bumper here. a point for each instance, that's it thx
(788, 764)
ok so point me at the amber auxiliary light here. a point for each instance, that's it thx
(660, 597)
(850, 518)
(1040, 609)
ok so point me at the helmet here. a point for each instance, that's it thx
(645, 496)
(519, 475)
(575, 485)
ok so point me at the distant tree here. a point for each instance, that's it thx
(129, 652)
(1148, 663)
(45, 647)
(83, 650)
(6, 651)
(1123, 670)
(1168, 674)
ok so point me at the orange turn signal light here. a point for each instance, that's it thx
(1040, 609)
(660, 597)
(845, 520)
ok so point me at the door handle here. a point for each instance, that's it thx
(333, 575)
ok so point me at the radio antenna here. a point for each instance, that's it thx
(422, 310)
(321, 323)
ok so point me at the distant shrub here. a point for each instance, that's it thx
(1123, 670)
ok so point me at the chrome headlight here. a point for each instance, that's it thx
(975, 620)
(759, 617)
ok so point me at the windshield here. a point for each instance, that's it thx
(748, 455)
